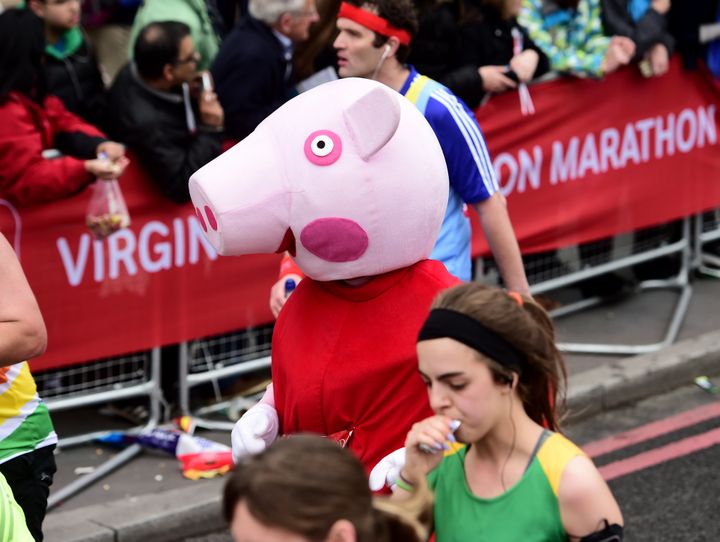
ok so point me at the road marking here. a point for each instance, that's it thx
(652, 430)
(660, 455)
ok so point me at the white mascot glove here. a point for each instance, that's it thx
(387, 471)
(256, 429)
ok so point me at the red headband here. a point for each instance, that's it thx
(373, 22)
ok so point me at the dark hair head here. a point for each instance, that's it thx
(529, 329)
(22, 50)
(158, 44)
(314, 482)
(399, 13)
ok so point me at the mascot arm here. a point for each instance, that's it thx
(257, 428)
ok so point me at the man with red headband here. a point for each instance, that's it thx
(374, 43)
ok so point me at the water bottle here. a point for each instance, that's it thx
(290, 285)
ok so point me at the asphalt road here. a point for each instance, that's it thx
(676, 500)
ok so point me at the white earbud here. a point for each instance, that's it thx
(384, 56)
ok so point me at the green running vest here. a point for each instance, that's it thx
(528, 511)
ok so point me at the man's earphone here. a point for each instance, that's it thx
(385, 53)
(384, 56)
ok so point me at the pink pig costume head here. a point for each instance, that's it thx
(349, 177)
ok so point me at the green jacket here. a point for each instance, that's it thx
(577, 46)
(191, 12)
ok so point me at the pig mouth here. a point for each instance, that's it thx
(335, 239)
(287, 244)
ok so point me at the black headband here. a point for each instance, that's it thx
(445, 323)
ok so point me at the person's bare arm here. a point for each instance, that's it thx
(22, 330)
(586, 502)
(503, 244)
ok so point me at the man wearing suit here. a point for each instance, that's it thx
(253, 69)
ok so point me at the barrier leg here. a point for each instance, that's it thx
(103, 470)
(150, 388)
(680, 282)
(210, 360)
(706, 263)
(183, 385)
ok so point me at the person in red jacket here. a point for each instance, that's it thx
(32, 123)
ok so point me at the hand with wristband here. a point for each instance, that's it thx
(424, 448)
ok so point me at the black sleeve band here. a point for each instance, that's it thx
(610, 533)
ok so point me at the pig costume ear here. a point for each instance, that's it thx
(372, 121)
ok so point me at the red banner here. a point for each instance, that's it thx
(598, 158)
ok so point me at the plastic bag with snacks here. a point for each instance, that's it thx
(106, 212)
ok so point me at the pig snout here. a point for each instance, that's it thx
(241, 201)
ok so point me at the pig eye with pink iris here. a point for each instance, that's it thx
(323, 147)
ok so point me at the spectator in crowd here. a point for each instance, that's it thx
(231, 11)
(570, 33)
(154, 104)
(32, 123)
(433, 52)
(201, 16)
(108, 24)
(493, 375)
(645, 23)
(497, 50)
(253, 69)
(380, 54)
(685, 22)
(27, 437)
(322, 492)
(71, 70)
(6, 4)
(317, 53)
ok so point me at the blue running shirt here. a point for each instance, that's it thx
(472, 176)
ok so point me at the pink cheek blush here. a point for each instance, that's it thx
(335, 239)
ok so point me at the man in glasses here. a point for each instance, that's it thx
(253, 68)
(165, 110)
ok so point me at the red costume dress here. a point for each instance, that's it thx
(344, 358)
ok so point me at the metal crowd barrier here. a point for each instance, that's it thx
(209, 360)
(101, 381)
(570, 266)
(707, 230)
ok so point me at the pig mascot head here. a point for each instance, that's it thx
(348, 177)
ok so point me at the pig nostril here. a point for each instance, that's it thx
(201, 219)
(211, 218)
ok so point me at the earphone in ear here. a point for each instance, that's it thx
(384, 56)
